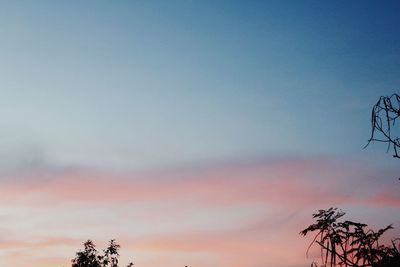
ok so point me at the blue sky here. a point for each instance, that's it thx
(147, 82)
(155, 108)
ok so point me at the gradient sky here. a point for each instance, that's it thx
(199, 133)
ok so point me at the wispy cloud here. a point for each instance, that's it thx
(254, 209)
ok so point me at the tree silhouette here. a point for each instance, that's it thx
(384, 115)
(347, 243)
(90, 257)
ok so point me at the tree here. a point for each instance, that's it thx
(384, 115)
(90, 257)
(347, 243)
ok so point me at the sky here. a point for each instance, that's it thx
(198, 133)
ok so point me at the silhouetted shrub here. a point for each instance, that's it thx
(90, 257)
(347, 243)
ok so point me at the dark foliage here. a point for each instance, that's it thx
(90, 257)
(347, 243)
(384, 115)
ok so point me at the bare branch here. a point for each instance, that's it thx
(383, 117)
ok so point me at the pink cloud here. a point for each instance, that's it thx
(240, 247)
(385, 199)
(283, 193)
(296, 184)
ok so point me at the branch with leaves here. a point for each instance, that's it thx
(347, 243)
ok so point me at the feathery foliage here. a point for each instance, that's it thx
(350, 244)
